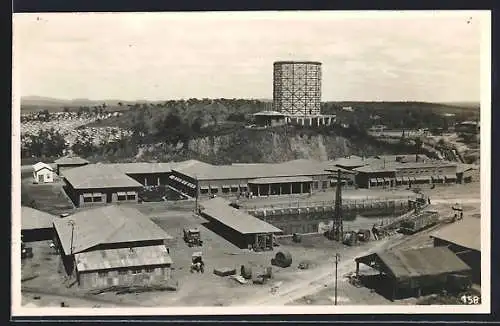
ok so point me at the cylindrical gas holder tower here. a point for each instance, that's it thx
(297, 87)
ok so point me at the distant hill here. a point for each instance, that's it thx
(37, 103)
(48, 102)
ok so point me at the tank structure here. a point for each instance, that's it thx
(297, 92)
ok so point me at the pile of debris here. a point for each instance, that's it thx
(137, 288)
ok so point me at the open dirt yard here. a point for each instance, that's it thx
(49, 197)
(293, 285)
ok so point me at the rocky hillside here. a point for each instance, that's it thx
(273, 145)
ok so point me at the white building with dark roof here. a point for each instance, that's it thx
(43, 173)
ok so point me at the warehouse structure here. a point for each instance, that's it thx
(238, 227)
(36, 225)
(98, 184)
(69, 162)
(113, 245)
(43, 173)
(414, 271)
(399, 170)
(463, 238)
(289, 178)
(93, 185)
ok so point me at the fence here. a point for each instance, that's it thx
(367, 202)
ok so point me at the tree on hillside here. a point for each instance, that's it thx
(237, 117)
(84, 146)
(47, 143)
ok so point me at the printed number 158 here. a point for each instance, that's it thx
(471, 299)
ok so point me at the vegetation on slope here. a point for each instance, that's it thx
(213, 129)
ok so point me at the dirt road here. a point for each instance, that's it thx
(315, 279)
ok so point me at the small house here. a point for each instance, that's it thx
(43, 173)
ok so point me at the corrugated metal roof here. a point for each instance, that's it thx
(99, 176)
(236, 219)
(34, 219)
(379, 165)
(465, 233)
(108, 224)
(419, 262)
(254, 171)
(115, 175)
(40, 165)
(280, 180)
(403, 157)
(352, 161)
(122, 257)
(71, 160)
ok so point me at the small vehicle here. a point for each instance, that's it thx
(64, 215)
(197, 264)
(192, 237)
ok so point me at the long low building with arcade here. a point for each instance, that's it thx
(98, 184)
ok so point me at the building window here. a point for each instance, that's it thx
(149, 269)
(225, 190)
(102, 274)
(122, 197)
(98, 199)
(122, 272)
(325, 184)
(130, 197)
(204, 191)
(214, 190)
(315, 184)
(234, 189)
(136, 271)
(87, 199)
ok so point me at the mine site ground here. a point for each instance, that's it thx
(43, 280)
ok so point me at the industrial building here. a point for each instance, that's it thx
(238, 227)
(293, 177)
(36, 225)
(43, 173)
(463, 238)
(269, 118)
(68, 162)
(399, 170)
(97, 185)
(113, 245)
(410, 272)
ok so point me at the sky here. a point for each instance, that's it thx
(368, 56)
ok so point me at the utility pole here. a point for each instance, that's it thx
(337, 259)
(72, 224)
(337, 218)
(197, 194)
